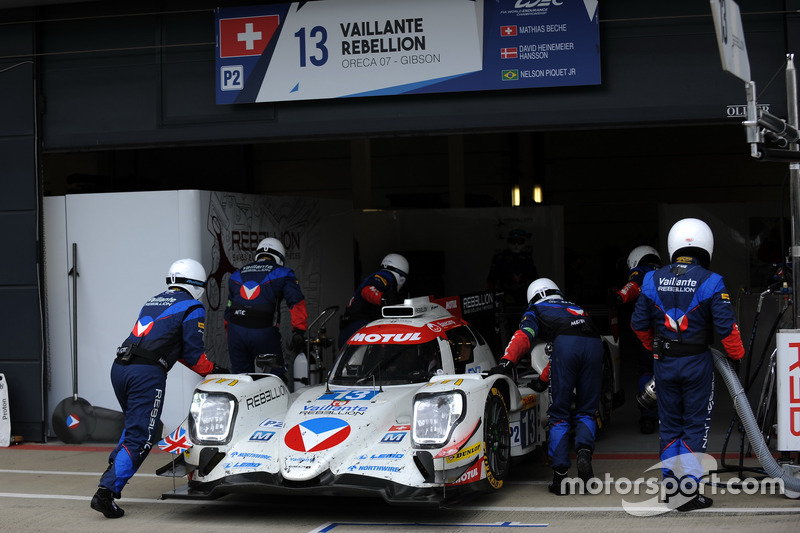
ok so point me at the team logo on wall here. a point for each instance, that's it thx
(143, 326)
(250, 290)
(317, 434)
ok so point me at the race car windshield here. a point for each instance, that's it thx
(387, 364)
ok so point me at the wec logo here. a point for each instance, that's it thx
(520, 4)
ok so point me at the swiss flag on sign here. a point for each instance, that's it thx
(508, 31)
(246, 36)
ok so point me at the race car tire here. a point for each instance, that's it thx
(497, 439)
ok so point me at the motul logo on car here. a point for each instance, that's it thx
(386, 338)
(470, 476)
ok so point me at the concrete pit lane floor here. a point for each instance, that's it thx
(47, 487)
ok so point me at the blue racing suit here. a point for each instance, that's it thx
(680, 308)
(375, 291)
(169, 329)
(253, 313)
(575, 365)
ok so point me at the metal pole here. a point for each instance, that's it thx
(794, 178)
(74, 273)
(751, 123)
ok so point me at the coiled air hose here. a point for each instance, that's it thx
(745, 412)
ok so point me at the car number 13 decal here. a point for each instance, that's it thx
(524, 434)
(348, 395)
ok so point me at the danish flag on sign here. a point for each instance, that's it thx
(246, 36)
(508, 53)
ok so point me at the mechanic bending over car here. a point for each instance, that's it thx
(680, 308)
(169, 329)
(641, 260)
(252, 317)
(378, 289)
(576, 364)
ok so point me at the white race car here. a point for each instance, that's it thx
(407, 413)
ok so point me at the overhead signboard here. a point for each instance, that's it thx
(348, 48)
(730, 38)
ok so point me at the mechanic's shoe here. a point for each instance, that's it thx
(557, 486)
(698, 502)
(585, 471)
(103, 502)
(647, 426)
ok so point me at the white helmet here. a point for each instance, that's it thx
(690, 233)
(643, 252)
(543, 289)
(272, 247)
(398, 266)
(188, 274)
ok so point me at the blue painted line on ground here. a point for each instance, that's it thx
(325, 528)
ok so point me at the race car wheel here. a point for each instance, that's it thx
(497, 439)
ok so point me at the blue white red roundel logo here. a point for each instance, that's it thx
(317, 434)
(72, 421)
(250, 290)
(143, 326)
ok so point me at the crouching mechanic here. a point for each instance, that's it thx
(576, 364)
(680, 307)
(252, 318)
(169, 329)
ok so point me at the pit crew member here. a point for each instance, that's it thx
(681, 306)
(576, 364)
(169, 330)
(378, 289)
(252, 318)
(641, 260)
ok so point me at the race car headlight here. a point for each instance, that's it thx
(211, 420)
(435, 418)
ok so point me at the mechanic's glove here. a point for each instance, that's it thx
(219, 370)
(506, 367)
(538, 385)
(614, 299)
(298, 343)
(390, 298)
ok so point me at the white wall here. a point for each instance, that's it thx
(125, 245)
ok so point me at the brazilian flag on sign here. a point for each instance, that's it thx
(510, 75)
